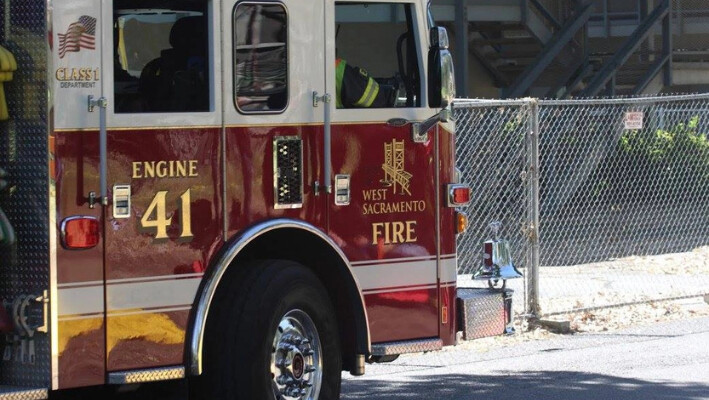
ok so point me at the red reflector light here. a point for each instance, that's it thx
(461, 195)
(80, 232)
(487, 254)
(458, 195)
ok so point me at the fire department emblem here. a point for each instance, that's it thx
(394, 174)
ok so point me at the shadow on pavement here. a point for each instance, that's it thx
(542, 385)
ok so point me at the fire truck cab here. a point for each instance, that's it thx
(190, 198)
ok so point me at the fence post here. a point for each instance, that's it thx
(533, 309)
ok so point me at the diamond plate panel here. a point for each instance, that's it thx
(481, 312)
(146, 375)
(15, 393)
(24, 268)
(406, 346)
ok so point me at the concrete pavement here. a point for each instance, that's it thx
(662, 361)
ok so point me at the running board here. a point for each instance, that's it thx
(146, 375)
(406, 346)
(22, 393)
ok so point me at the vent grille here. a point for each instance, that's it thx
(288, 172)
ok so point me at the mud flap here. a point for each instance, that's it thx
(484, 312)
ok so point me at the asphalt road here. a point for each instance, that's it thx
(668, 361)
(661, 361)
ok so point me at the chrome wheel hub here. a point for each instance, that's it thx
(296, 358)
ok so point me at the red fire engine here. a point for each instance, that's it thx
(183, 197)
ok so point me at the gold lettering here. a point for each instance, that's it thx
(156, 220)
(374, 194)
(376, 232)
(136, 170)
(161, 169)
(165, 169)
(193, 168)
(398, 232)
(61, 74)
(410, 232)
(182, 168)
(186, 216)
(96, 74)
(394, 232)
(160, 221)
(149, 169)
(396, 207)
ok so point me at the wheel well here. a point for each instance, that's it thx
(319, 256)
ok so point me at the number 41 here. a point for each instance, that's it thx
(160, 221)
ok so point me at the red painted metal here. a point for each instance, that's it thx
(402, 315)
(360, 150)
(134, 252)
(386, 221)
(82, 355)
(446, 169)
(249, 171)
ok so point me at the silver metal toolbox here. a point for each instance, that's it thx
(484, 312)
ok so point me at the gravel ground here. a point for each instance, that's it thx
(602, 320)
(593, 296)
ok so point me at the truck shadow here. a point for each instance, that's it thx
(546, 385)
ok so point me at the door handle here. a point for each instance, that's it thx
(121, 201)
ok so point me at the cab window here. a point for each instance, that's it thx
(160, 56)
(377, 42)
(260, 58)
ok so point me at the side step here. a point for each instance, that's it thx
(146, 375)
(484, 312)
(406, 346)
(22, 393)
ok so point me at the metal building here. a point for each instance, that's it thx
(577, 48)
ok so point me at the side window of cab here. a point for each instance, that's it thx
(377, 61)
(161, 59)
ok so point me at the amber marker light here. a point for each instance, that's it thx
(80, 233)
(461, 222)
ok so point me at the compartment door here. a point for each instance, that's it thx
(164, 220)
(78, 355)
(387, 224)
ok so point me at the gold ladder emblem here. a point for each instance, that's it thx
(394, 174)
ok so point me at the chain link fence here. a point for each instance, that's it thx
(690, 37)
(620, 187)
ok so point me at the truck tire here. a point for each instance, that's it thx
(273, 335)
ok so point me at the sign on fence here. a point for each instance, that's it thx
(634, 120)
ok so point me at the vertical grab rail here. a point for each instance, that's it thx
(101, 103)
(327, 142)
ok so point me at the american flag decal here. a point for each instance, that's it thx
(80, 35)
